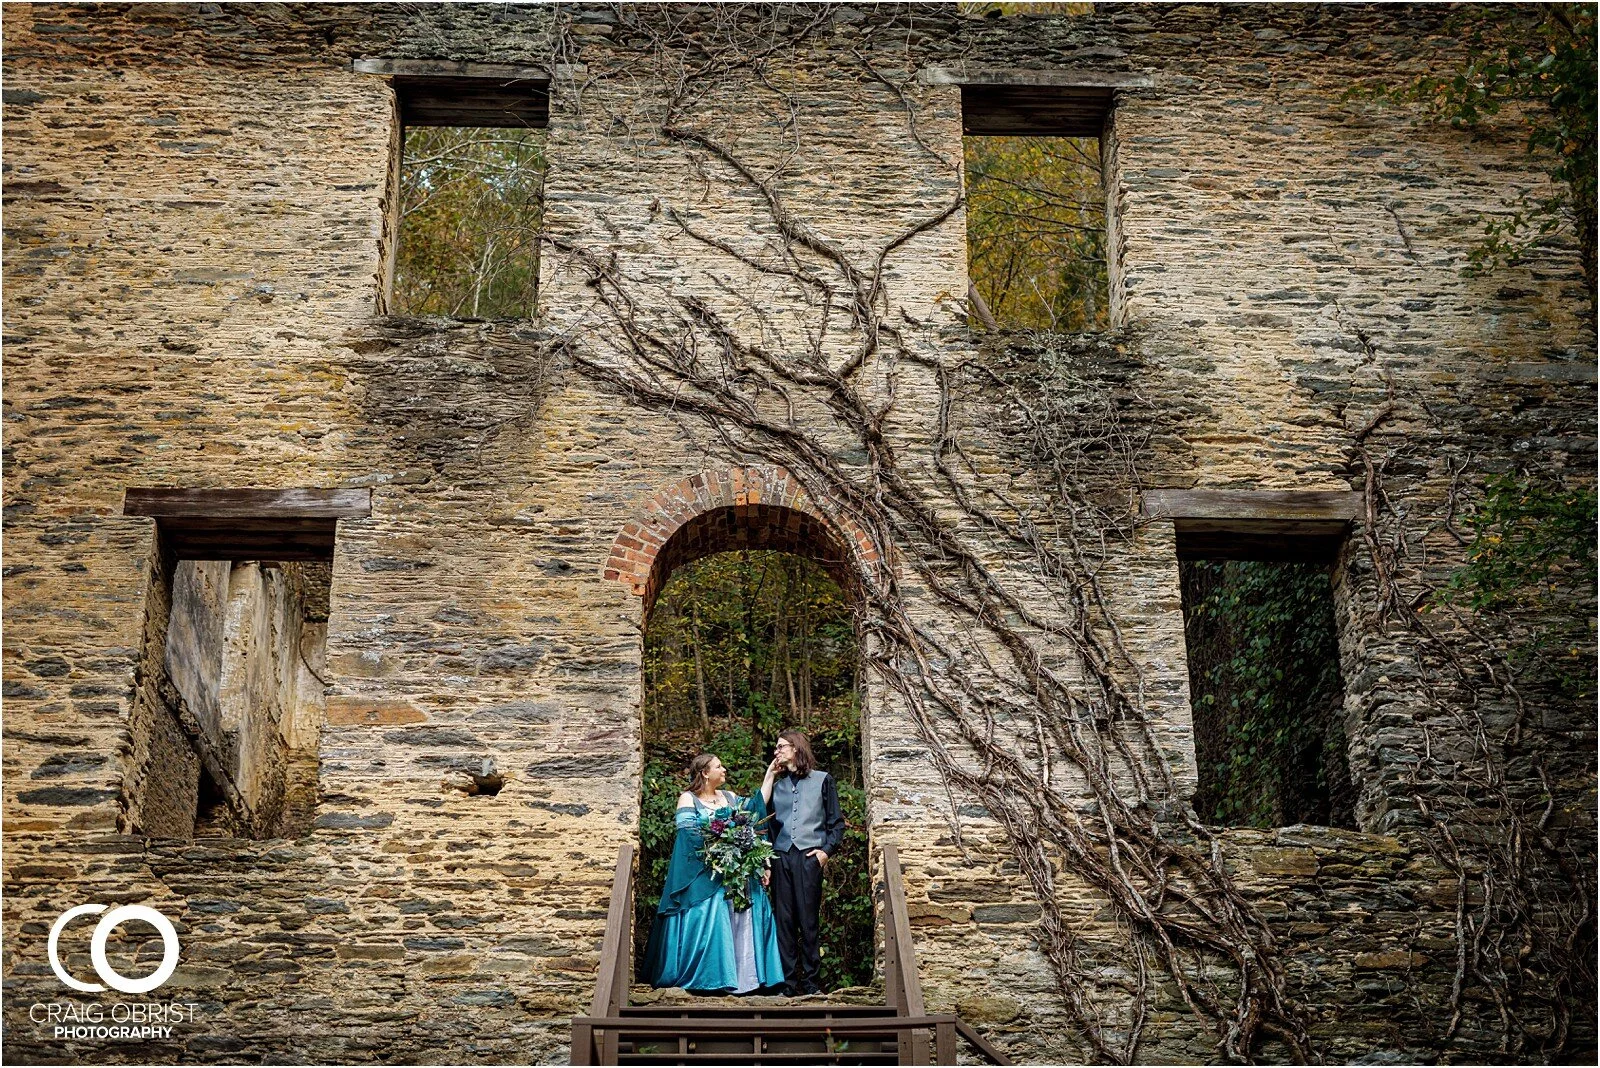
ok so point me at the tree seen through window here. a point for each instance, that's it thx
(470, 214)
(1036, 232)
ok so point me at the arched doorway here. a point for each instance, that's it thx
(750, 627)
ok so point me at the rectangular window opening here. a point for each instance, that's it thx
(469, 191)
(231, 699)
(1266, 692)
(1255, 568)
(1038, 230)
(1036, 233)
(230, 692)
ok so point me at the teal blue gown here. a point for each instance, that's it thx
(698, 942)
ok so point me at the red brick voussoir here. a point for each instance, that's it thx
(733, 508)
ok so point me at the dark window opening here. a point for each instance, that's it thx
(1266, 693)
(1037, 222)
(470, 191)
(1255, 568)
(212, 818)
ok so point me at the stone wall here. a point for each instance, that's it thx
(195, 211)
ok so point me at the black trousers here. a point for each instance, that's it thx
(796, 905)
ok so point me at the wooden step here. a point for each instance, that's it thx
(728, 1050)
(774, 1011)
(779, 1033)
(791, 1042)
(633, 1024)
(749, 1057)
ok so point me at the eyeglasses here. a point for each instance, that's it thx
(783, 745)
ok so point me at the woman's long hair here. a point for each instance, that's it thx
(697, 771)
(804, 760)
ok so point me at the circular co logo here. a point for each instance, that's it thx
(97, 948)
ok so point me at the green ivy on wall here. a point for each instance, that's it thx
(1531, 560)
(1540, 76)
(1267, 695)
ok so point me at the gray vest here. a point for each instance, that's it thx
(797, 807)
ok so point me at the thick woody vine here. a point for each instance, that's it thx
(1064, 758)
(1017, 679)
(1525, 896)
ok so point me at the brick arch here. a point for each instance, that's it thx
(727, 509)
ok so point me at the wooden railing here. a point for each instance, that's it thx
(596, 1038)
(902, 983)
(616, 970)
(902, 986)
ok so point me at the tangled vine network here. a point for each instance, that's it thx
(1525, 899)
(1038, 713)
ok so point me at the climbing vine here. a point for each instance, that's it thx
(1484, 796)
(1016, 679)
(1063, 758)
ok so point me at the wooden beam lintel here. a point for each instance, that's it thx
(1285, 508)
(1024, 78)
(444, 68)
(247, 504)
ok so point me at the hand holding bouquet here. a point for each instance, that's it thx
(733, 847)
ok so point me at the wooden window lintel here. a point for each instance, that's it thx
(1248, 505)
(1023, 78)
(443, 68)
(1245, 524)
(167, 503)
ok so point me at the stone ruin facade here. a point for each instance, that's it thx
(374, 755)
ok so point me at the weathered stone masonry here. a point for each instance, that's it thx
(195, 213)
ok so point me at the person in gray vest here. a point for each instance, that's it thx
(807, 828)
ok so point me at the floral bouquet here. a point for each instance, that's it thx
(733, 847)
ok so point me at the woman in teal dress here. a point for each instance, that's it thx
(698, 942)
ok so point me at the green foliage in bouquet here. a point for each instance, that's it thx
(733, 844)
